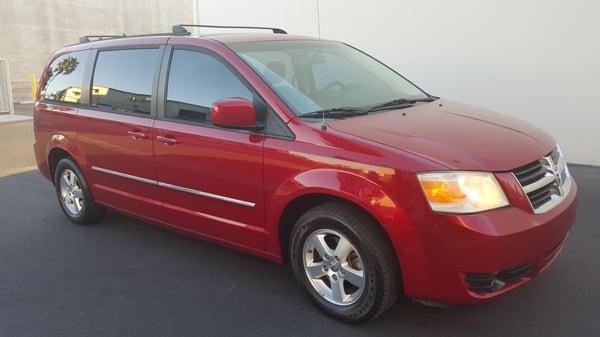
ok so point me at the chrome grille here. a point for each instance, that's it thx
(546, 181)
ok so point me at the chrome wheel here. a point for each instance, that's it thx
(334, 267)
(71, 192)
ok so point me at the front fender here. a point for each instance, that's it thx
(345, 185)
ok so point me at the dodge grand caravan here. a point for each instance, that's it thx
(307, 152)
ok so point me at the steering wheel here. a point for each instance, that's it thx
(333, 84)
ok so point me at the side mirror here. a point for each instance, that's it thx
(235, 113)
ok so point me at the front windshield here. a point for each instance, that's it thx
(318, 75)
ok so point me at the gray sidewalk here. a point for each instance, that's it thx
(23, 112)
(24, 109)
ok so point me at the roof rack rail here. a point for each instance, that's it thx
(180, 29)
(87, 38)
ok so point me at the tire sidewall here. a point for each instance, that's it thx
(362, 309)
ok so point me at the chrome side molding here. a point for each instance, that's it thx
(206, 194)
(124, 175)
(175, 187)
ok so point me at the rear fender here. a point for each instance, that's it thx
(67, 144)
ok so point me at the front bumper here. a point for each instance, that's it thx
(436, 260)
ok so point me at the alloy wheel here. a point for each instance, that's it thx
(71, 192)
(334, 267)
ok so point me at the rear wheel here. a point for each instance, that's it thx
(345, 262)
(73, 194)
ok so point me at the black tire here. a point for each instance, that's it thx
(380, 267)
(90, 211)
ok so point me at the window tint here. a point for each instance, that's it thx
(123, 80)
(64, 78)
(196, 81)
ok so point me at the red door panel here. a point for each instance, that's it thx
(119, 152)
(211, 181)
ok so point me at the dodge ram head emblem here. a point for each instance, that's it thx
(557, 175)
(555, 170)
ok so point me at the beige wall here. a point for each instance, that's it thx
(33, 29)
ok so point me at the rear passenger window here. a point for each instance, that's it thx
(123, 80)
(64, 78)
(196, 81)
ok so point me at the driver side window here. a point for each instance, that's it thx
(196, 81)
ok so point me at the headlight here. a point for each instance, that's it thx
(462, 192)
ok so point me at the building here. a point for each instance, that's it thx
(33, 30)
(537, 60)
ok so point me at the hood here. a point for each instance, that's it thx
(458, 136)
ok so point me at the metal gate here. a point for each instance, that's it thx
(6, 102)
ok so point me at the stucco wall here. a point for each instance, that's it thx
(31, 30)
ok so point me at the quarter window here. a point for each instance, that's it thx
(196, 81)
(123, 80)
(64, 78)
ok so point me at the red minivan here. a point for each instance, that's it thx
(308, 152)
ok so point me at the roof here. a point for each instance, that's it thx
(253, 37)
(225, 38)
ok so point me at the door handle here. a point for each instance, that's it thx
(169, 140)
(136, 134)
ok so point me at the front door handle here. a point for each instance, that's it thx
(136, 134)
(168, 139)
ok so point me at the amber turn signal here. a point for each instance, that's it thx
(462, 192)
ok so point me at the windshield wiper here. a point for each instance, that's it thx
(400, 103)
(335, 112)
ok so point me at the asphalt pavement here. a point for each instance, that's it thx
(124, 277)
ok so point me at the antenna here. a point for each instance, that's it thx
(323, 121)
(318, 20)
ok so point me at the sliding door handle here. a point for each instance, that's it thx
(135, 134)
(168, 139)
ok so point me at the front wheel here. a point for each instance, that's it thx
(345, 262)
(74, 195)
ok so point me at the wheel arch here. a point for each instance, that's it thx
(294, 210)
(54, 156)
(59, 147)
(312, 188)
